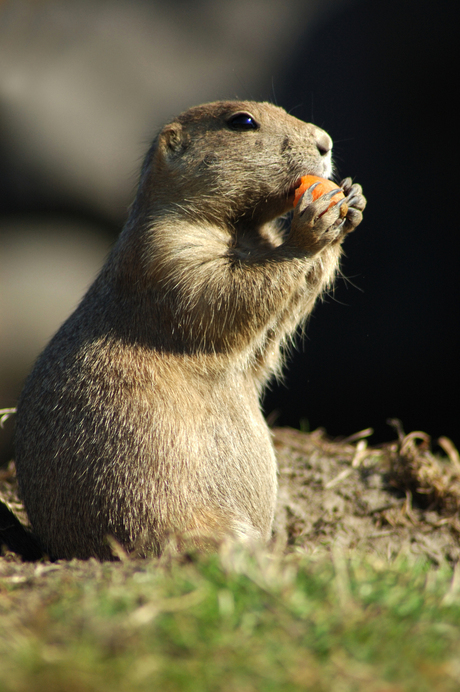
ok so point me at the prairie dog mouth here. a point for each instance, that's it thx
(292, 189)
(326, 173)
(327, 163)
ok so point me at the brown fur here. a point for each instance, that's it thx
(141, 419)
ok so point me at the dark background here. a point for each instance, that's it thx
(384, 87)
(84, 86)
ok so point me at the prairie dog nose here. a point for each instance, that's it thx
(323, 141)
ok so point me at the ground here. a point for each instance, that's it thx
(359, 592)
(395, 499)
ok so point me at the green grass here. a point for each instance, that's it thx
(233, 622)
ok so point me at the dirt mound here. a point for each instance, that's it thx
(396, 498)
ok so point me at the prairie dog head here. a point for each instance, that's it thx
(230, 159)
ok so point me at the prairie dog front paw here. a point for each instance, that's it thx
(356, 203)
(316, 223)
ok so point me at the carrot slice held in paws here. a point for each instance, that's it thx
(324, 186)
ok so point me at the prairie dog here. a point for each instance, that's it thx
(141, 419)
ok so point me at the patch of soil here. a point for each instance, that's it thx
(399, 498)
(388, 500)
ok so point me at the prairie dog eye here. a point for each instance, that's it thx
(242, 121)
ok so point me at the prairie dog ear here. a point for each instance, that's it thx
(172, 139)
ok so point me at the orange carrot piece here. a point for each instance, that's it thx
(324, 186)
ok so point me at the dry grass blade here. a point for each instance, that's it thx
(434, 481)
(5, 413)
